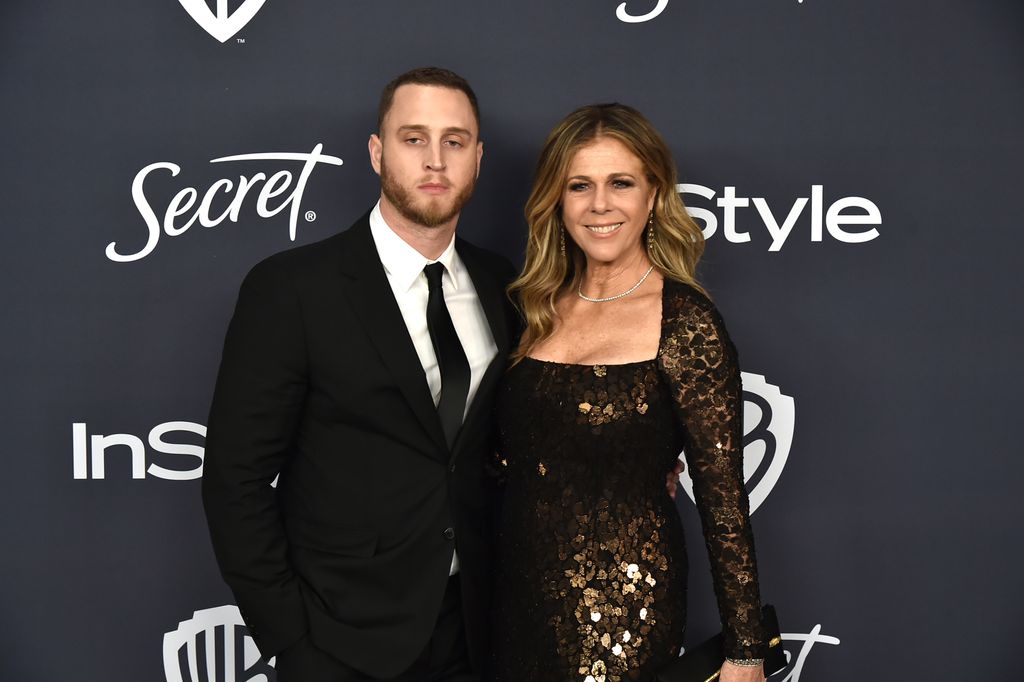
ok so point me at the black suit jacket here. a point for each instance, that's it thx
(320, 381)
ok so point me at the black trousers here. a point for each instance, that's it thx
(444, 659)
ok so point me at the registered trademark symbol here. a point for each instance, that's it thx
(310, 216)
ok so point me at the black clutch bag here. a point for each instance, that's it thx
(703, 663)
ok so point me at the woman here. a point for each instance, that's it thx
(623, 363)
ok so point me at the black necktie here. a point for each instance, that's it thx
(451, 358)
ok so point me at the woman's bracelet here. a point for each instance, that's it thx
(746, 662)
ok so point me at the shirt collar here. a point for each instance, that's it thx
(403, 263)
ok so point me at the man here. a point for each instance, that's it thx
(362, 369)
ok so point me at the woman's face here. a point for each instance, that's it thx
(606, 201)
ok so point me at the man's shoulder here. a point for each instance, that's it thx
(486, 260)
(312, 260)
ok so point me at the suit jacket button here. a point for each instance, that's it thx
(449, 533)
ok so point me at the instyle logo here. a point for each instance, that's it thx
(90, 453)
(836, 219)
(273, 195)
(795, 664)
(622, 12)
(225, 23)
(768, 421)
(214, 646)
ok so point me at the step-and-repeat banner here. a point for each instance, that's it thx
(855, 165)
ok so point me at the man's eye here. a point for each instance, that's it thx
(413, 140)
(453, 143)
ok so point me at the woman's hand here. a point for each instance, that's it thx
(741, 673)
(672, 479)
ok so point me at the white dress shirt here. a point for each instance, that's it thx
(404, 267)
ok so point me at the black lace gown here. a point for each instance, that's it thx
(592, 561)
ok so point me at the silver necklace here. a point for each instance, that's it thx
(627, 292)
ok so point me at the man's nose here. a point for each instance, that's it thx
(435, 157)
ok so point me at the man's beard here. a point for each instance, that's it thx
(432, 215)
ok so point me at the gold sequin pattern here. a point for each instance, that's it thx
(616, 581)
(611, 401)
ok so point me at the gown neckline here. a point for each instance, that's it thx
(661, 335)
(592, 364)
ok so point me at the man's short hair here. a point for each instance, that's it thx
(427, 75)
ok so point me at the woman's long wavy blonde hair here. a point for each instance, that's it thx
(678, 242)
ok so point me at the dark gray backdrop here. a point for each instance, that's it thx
(895, 524)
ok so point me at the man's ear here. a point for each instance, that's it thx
(479, 155)
(376, 148)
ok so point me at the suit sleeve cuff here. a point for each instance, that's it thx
(276, 618)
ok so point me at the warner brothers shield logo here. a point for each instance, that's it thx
(214, 646)
(768, 419)
(224, 23)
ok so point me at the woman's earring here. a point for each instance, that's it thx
(561, 240)
(650, 232)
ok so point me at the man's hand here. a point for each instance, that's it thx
(672, 479)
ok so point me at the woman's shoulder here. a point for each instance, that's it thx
(681, 300)
(690, 321)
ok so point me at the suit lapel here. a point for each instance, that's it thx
(492, 297)
(491, 293)
(371, 298)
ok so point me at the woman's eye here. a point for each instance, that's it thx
(577, 186)
(622, 184)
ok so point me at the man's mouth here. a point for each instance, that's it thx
(434, 187)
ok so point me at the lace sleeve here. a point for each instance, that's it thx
(699, 363)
